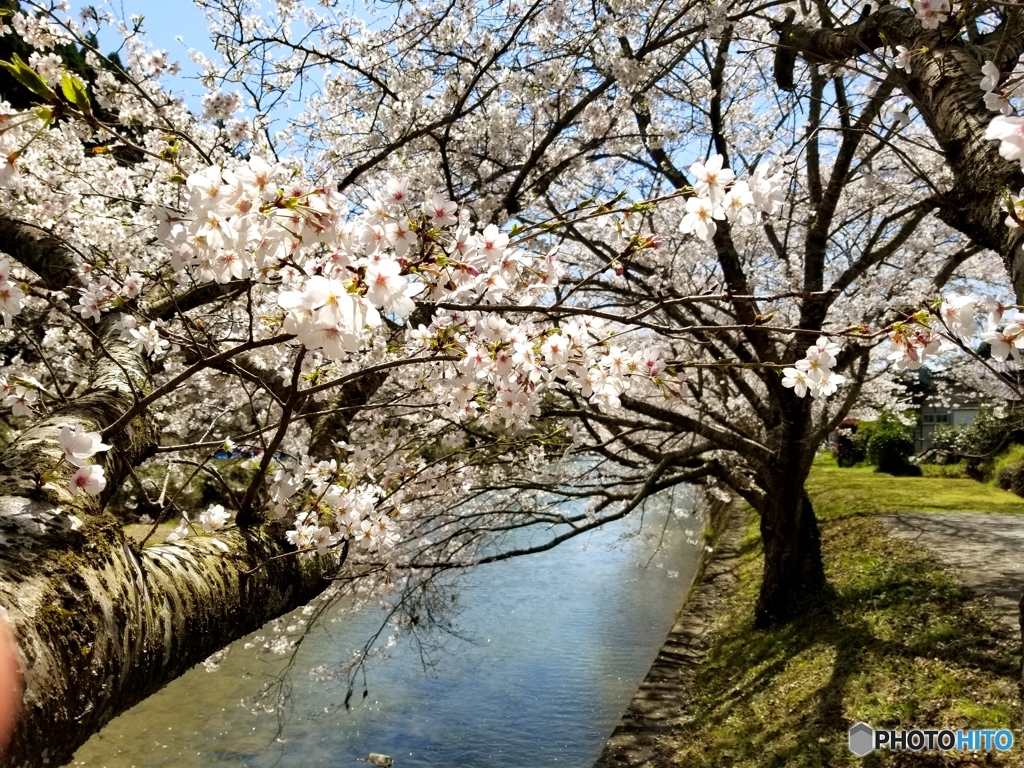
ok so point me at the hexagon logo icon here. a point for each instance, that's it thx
(862, 739)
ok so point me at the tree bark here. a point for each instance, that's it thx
(794, 574)
(101, 625)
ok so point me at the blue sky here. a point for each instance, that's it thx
(173, 25)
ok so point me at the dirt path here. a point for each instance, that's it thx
(987, 551)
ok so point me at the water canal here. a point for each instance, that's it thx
(556, 644)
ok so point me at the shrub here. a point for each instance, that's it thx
(981, 438)
(890, 451)
(978, 443)
(888, 445)
(1009, 477)
(847, 446)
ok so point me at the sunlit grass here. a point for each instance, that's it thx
(839, 492)
(900, 643)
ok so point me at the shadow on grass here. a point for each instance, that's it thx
(899, 643)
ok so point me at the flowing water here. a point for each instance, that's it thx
(555, 646)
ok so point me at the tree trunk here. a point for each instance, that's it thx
(794, 575)
(100, 625)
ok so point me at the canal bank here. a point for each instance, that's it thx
(900, 642)
(660, 704)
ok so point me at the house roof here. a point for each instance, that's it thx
(976, 387)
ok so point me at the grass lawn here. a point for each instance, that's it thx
(842, 492)
(901, 643)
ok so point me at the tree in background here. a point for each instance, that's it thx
(629, 98)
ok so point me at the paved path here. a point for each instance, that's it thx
(987, 550)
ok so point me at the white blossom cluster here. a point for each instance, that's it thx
(921, 337)
(336, 273)
(504, 368)
(327, 511)
(814, 373)
(719, 196)
(77, 446)
(997, 100)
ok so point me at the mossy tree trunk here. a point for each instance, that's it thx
(99, 623)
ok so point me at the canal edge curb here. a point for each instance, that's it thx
(660, 703)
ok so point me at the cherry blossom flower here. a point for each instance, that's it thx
(825, 349)
(995, 310)
(814, 373)
(146, 339)
(769, 192)
(912, 345)
(89, 305)
(556, 350)
(388, 289)
(738, 203)
(712, 179)
(89, 479)
(132, 285)
(931, 12)
(990, 76)
(397, 191)
(902, 60)
(21, 400)
(649, 364)
(442, 212)
(79, 445)
(492, 243)
(1016, 205)
(958, 314)
(828, 384)
(12, 300)
(181, 531)
(214, 518)
(699, 218)
(799, 381)
(1006, 342)
(401, 237)
(1009, 132)
(998, 102)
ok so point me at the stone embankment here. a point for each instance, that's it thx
(659, 705)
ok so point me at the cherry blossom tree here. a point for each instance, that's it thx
(865, 220)
(634, 237)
